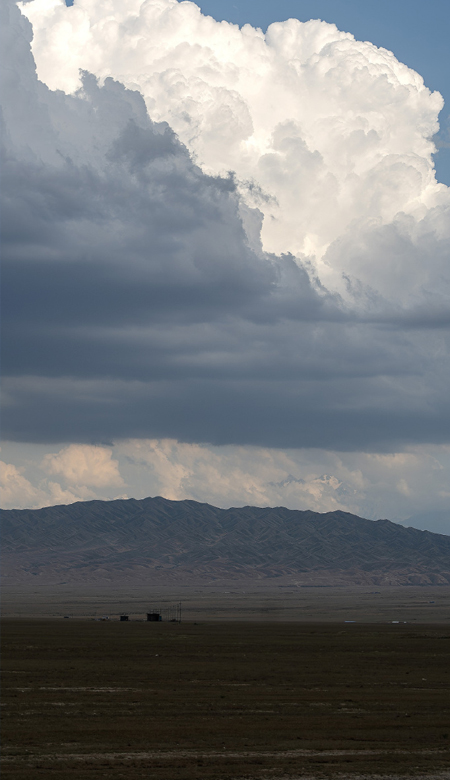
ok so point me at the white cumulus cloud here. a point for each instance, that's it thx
(15, 488)
(16, 491)
(82, 464)
(329, 137)
(395, 485)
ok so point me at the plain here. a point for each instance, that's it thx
(216, 700)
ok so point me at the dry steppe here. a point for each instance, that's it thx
(266, 600)
(225, 700)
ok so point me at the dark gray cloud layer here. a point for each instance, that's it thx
(134, 304)
(279, 414)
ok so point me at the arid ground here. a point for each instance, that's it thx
(266, 600)
(216, 700)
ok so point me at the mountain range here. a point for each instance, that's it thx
(158, 541)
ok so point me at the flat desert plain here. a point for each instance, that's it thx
(217, 699)
(233, 600)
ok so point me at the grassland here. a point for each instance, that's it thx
(224, 700)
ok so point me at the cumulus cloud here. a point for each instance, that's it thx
(299, 302)
(368, 484)
(33, 477)
(229, 475)
(328, 136)
(84, 465)
(395, 485)
(16, 491)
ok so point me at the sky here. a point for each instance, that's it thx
(226, 255)
(415, 31)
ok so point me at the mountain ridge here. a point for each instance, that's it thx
(160, 540)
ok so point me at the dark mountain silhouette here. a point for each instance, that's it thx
(155, 540)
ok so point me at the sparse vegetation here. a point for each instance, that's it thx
(212, 701)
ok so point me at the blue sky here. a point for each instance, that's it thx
(417, 33)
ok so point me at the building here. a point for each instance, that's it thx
(154, 617)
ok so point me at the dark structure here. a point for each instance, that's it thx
(123, 618)
(167, 612)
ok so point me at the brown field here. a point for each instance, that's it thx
(224, 700)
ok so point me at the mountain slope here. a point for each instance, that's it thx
(166, 541)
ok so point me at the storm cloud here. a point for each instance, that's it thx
(148, 292)
(329, 137)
